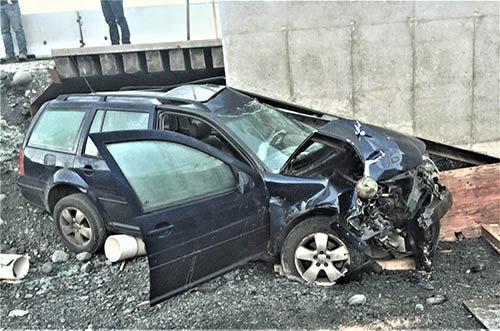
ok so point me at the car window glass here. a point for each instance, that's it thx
(124, 120)
(163, 173)
(57, 130)
(269, 133)
(170, 122)
(97, 123)
(113, 121)
(90, 148)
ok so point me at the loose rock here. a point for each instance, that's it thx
(83, 256)
(21, 78)
(60, 257)
(18, 313)
(4, 248)
(86, 267)
(436, 300)
(357, 300)
(47, 268)
(478, 267)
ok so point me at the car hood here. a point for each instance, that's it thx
(385, 153)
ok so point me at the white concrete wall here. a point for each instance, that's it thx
(429, 69)
(149, 24)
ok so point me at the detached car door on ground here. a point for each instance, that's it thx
(200, 211)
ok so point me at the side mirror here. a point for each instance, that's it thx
(245, 183)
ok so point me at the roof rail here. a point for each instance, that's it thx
(219, 80)
(163, 100)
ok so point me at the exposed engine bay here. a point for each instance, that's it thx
(399, 216)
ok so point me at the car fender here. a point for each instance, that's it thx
(329, 210)
(70, 178)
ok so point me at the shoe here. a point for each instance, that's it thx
(22, 58)
(7, 59)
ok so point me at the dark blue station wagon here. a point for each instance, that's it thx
(211, 177)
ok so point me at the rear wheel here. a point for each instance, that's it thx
(313, 253)
(79, 223)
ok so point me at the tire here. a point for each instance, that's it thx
(302, 261)
(79, 224)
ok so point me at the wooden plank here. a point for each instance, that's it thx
(487, 311)
(400, 264)
(476, 200)
(491, 232)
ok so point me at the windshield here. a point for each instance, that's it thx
(267, 132)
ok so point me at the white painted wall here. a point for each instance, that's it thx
(148, 24)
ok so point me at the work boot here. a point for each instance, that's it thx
(7, 59)
(22, 58)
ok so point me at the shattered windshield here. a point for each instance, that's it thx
(267, 132)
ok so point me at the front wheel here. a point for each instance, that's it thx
(79, 223)
(313, 253)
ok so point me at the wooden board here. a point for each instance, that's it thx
(400, 264)
(476, 200)
(487, 311)
(491, 232)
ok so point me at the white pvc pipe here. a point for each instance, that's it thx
(121, 247)
(13, 266)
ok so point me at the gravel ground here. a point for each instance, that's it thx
(98, 294)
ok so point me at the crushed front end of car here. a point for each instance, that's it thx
(394, 204)
(402, 215)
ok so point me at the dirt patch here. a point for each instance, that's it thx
(76, 294)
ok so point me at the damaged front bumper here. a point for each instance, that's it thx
(404, 217)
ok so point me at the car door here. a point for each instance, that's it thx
(92, 168)
(200, 211)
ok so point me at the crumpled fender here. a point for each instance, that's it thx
(400, 152)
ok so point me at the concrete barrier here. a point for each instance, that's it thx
(425, 68)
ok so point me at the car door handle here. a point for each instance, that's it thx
(161, 230)
(88, 170)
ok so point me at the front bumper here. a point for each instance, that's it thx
(436, 210)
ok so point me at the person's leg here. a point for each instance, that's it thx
(7, 37)
(111, 21)
(117, 7)
(17, 26)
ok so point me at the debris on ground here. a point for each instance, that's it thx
(485, 310)
(436, 300)
(60, 257)
(47, 267)
(18, 313)
(21, 78)
(357, 300)
(83, 256)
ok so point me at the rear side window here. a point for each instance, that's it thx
(114, 120)
(57, 130)
(164, 174)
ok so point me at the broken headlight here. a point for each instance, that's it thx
(366, 188)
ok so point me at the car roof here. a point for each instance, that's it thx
(209, 98)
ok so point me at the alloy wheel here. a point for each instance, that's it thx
(321, 258)
(75, 226)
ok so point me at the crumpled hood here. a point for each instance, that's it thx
(400, 152)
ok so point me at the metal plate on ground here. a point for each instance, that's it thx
(487, 311)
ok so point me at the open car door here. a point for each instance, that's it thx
(201, 212)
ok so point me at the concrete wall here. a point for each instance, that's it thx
(429, 69)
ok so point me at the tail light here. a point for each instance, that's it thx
(21, 162)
